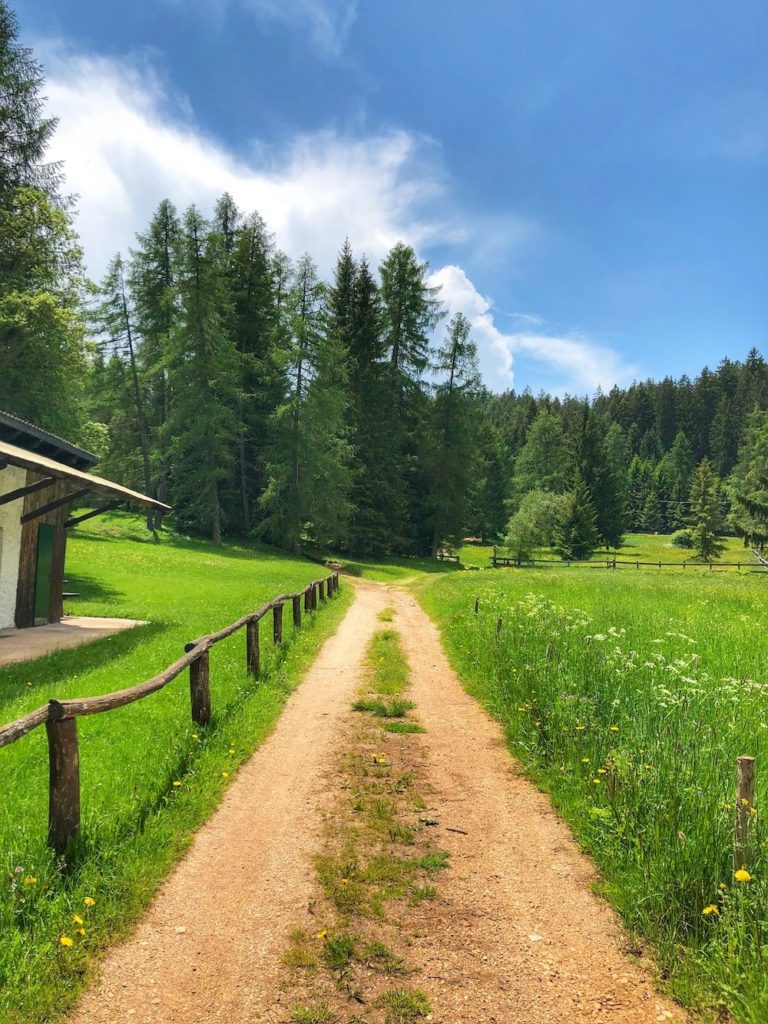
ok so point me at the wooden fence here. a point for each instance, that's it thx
(503, 562)
(60, 716)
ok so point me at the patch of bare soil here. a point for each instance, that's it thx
(512, 935)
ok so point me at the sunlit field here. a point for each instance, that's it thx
(628, 696)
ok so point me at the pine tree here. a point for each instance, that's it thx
(114, 319)
(748, 485)
(599, 475)
(256, 334)
(410, 311)
(307, 495)
(652, 520)
(577, 536)
(706, 512)
(454, 435)
(205, 379)
(43, 366)
(544, 462)
(24, 130)
(153, 284)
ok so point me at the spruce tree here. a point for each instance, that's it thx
(706, 512)
(205, 380)
(454, 411)
(544, 462)
(748, 485)
(577, 536)
(115, 320)
(307, 494)
(25, 131)
(154, 288)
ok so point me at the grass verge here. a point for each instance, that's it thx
(628, 699)
(149, 778)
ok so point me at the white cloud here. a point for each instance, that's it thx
(126, 145)
(575, 363)
(328, 21)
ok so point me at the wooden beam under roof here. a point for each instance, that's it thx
(22, 492)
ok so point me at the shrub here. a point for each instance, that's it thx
(682, 538)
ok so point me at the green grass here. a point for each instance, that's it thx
(404, 1006)
(136, 822)
(628, 697)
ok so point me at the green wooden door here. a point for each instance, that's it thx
(45, 538)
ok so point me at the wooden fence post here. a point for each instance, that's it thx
(321, 588)
(477, 605)
(745, 792)
(307, 600)
(314, 597)
(64, 783)
(297, 610)
(277, 623)
(200, 689)
(252, 646)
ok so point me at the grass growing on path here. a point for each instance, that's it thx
(376, 869)
(628, 697)
(148, 776)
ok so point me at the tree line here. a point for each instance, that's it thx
(213, 372)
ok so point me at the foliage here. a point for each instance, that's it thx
(707, 517)
(535, 524)
(683, 538)
(576, 534)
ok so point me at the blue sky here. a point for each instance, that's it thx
(587, 180)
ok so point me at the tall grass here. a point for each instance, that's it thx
(149, 777)
(628, 698)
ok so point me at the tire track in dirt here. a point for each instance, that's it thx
(210, 946)
(517, 935)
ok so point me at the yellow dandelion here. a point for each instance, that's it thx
(81, 932)
(711, 909)
(585, 760)
(744, 802)
(225, 775)
(231, 750)
(602, 771)
(322, 934)
(177, 783)
(580, 728)
(64, 940)
(753, 810)
(742, 875)
(76, 919)
(30, 880)
(195, 736)
(614, 728)
(597, 781)
(89, 901)
(722, 887)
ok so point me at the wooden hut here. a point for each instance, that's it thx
(41, 476)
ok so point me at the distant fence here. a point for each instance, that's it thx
(503, 562)
(60, 716)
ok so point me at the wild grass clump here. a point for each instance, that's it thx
(629, 700)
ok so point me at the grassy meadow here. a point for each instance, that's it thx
(148, 776)
(628, 697)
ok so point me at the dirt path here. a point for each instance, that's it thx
(516, 936)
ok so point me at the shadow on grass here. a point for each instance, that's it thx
(41, 676)
(88, 588)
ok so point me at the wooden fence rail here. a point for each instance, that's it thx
(503, 562)
(60, 716)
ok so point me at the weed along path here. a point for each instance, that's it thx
(509, 933)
